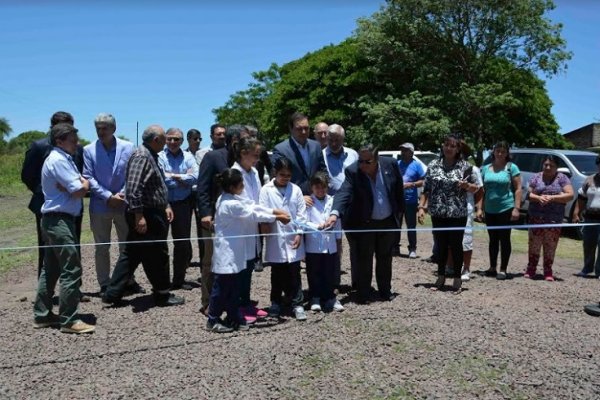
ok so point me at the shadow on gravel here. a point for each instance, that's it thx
(142, 303)
(88, 318)
(447, 288)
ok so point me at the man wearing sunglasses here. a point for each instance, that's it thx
(371, 199)
(181, 172)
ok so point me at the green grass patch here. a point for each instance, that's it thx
(10, 175)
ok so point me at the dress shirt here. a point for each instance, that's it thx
(304, 153)
(145, 187)
(381, 203)
(181, 163)
(336, 164)
(60, 169)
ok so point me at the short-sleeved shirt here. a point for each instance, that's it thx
(412, 171)
(499, 196)
(590, 191)
(551, 212)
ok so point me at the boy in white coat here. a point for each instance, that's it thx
(285, 250)
(321, 247)
(234, 216)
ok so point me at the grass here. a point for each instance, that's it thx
(10, 175)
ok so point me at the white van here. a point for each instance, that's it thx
(424, 157)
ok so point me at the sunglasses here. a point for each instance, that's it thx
(368, 162)
(173, 139)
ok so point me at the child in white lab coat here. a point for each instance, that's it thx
(321, 247)
(234, 216)
(285, 250)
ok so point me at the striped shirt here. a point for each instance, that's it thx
(145, 183)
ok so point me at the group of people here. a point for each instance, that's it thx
(251, 207)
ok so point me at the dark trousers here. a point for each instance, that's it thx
(40, 238)
(180, 229)
(499, 239)
(380, 244)
(320, 272)
(246, 283)
(154, 256)
(285, 278)
(225, 296)
(62, 263)
(410, 217)
(196, 215)
(353, 244)
(449, 239)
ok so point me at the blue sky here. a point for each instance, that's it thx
(172, 62)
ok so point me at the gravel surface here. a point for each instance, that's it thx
(496, 340)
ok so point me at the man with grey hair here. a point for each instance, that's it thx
(148, 217)
(104, 166)
(181, 173)
(320, 132)
(337, 157)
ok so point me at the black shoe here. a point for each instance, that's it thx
(168, 300)
(431, 259)
(387, 296)
(134, 288)
(490, 272)
(258, 266)
(396, 251)
(102, 290)
(183, 286)
(106, 299)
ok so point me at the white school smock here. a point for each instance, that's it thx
(278, 247)
(251, 192)
(324, 241)
(235, 216)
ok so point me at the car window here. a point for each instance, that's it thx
(426, 158)
(528, 162)
(586, 164)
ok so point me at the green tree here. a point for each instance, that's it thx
(466, 57)
(22, 142)
(5, 130)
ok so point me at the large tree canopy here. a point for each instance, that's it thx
(417, 70)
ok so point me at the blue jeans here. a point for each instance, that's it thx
(591, 243)
(410, 216)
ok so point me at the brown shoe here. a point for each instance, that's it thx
(78, 327)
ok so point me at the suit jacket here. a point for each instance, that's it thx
(31, 173)
(105, 179)
(300, 176)
(213, 164)
(354, 200)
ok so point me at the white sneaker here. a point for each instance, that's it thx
(337, 306)
(412, 254)
(299, 313)
(465, 277)
(315, 304)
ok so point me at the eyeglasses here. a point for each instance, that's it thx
(196, 139)
(368, 162)
(173, 139)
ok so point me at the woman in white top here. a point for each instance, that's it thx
(284, 248)
(246, 153)
(234, 216)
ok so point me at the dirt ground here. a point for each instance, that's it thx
(508, 339)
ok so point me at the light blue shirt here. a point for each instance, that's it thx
(381, 203)
(336, 164)
(60, 169)
(182, 163)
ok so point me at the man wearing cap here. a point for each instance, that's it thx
(413, 175)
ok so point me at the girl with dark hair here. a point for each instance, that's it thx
(247, 152)
(549, 191)
(501, 203)
(285, 250)
(234, 217)
(444, 196)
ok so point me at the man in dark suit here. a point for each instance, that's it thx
(31, 176)
(304, 153)
(371, 198)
